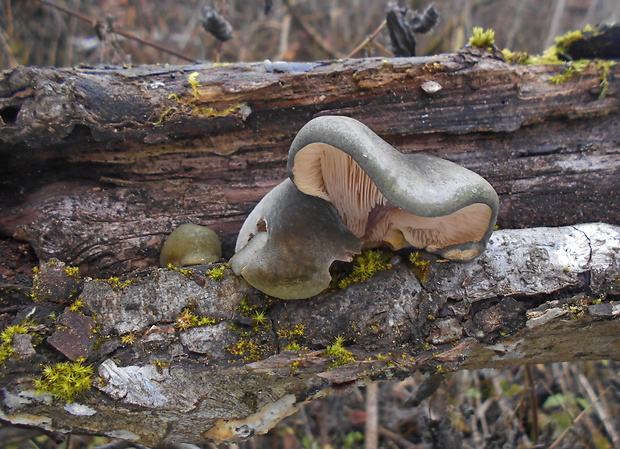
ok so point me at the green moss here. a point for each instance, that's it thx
(159, 364)
(216, 273)
(128, 339)
(74, 272)
(165, 114)
(293, 346)
(482, 39)
(365, 266)
(249, 349)
(259, 318)
(116, 283)
(183, 271)
(519, 58)
(572, 68)
(337, 350)
(295, 331)
(76, 306)
(6, 339)
(604, 67)
(420, 268)
(562, 43)
(65, 380)
(188, 319)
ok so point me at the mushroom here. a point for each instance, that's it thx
(191, 244)
(349, 189)
(288, 242)
(387, 198)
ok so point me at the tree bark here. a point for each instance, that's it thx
(100, 164)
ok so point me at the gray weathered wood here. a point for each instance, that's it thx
(537, 295)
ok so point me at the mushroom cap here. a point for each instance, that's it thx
(288, 242)
(190, 244)
(389, 198)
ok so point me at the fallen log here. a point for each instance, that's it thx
(100, 164)
(162, 375)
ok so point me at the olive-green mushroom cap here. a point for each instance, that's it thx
(191, 244)
(388, 198)
(288, 242)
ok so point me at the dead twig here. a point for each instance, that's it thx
(578, 418)
(368, 40)
(371, 437)
(312, 33)
(116, 30)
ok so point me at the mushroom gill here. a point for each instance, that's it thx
(324, 171)
(388, 198)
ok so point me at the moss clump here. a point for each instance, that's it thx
(259, 318)
(6, 339)
(482, 39)
(365, 266)
(519, 58)
(65, 380)
(77, 306)
(249, 349)
(573, 67)
(562, 43)
(294, 346)
(128, 339)
(337, 350)
(188, 319)
(420, 268)
(216, 273)
(117, 284)
(287, 331)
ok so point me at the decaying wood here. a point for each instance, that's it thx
(98, 165)
(537, 295)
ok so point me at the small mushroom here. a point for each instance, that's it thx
(289, 241)
(191, 244)
(388, 198)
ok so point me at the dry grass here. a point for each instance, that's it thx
(32, 33)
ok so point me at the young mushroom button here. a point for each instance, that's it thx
(388, 198)
(190, 244)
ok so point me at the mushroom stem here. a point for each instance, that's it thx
(289, 241)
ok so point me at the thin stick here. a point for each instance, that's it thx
(371, 437)
(310, 31)
(577, 419)
(123, 33)
(529, 379)
(368, 39)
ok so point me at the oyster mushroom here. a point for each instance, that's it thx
(350, 189)
(387, 198)
(289, 241)
(190, 244)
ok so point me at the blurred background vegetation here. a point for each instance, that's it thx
(34, 33)
(557, 406)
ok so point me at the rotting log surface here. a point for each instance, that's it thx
(98, 165)
(536, 295)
